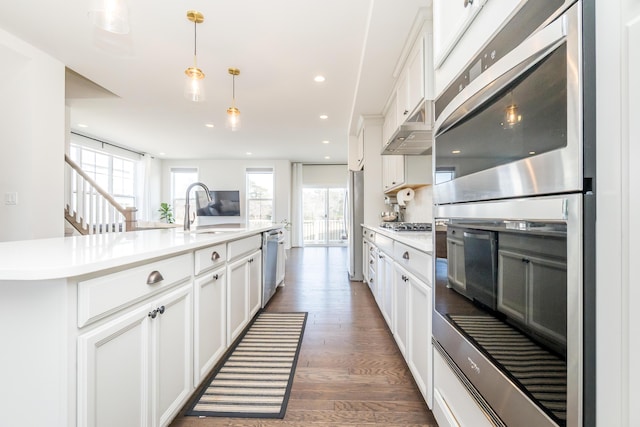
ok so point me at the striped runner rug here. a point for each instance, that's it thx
(255, 380)
(542, 374)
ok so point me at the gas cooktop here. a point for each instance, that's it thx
(406, 226)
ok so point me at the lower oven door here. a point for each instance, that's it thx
(508, 309)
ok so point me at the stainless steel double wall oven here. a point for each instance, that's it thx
(515, 219)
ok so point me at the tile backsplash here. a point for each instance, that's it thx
(420, 209)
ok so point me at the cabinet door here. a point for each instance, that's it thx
(512, 284)
(237, 301)
(402, 97)
(388, 279)
(360, 147)
(419, 345)
(548, 298)
(416, 75)
(400, 286)
(210, 328)
(450, 21)
(455, 252)
(113, 372)
(365, 260)
(171, 354)
(255, 283)
(282, 256)
(390, 121)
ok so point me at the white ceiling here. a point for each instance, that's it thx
(278, 45)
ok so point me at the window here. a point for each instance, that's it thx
(113, 173)
(259, 194)
(181, 178)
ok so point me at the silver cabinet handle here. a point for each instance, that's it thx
(215, 276)
(215, 256)
(152, 314)
(405, 255)
(161, 309)
(154, 277)
(467, 2)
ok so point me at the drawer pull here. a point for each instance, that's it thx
(467, 2)
(215, 256)
(152, 314)
(380, 256)
(215, 276)
(370, 261)
(161, 309)
(405, 255)
(154, 277)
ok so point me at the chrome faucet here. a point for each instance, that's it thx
(187, 220)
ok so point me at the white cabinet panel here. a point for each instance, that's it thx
(451, 18)
(420, 349)
(255, 283)
(400, 295)
(210, 322)
(244, 293)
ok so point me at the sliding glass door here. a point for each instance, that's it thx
(323, 210)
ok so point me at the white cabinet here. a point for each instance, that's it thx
(390, 121)
(255, 283)
(392, 172)
(410, 90)
(400, 295)
(419, 354)
(386, 276)
(360, 149)
(210, 324)
(281, 267)
(450, 20)
(405, 171)
(135, 369)
(243, 293)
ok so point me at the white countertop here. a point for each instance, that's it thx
(421, 240)
(55, 258)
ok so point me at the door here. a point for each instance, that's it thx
(324, 221)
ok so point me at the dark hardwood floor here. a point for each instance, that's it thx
(350, 371)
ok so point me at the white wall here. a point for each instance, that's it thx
(32, 139)
(230, 175)
(325, 175)
(420, 209)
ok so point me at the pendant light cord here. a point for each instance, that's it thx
(195, 42)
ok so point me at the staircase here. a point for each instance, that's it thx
(89, 208)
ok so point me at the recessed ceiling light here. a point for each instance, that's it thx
(161, 154)
(82, 125)
(249, 153)
(532, 152)
(319, 79)
(455, 152)
(325, 142)
(327, 157)
(324, 117)
(209, 125)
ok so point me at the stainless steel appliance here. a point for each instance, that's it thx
(406, 226)
(270, 242)
(514, 160)
(354, 217)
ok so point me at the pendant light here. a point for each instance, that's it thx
(233, 114)
(110, 15)
(194, 85)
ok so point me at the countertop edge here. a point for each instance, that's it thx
(409, 238)
(71, 269)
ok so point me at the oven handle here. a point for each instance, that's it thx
(530, 52)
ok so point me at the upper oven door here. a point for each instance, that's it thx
(515, 130)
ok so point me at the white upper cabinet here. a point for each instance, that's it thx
(410, 89)
(451, 18)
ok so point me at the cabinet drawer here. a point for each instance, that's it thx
(417, 262)
(244, 246)
(384, 243)
(210, 257)
(106, 294)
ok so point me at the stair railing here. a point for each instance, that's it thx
(89, 208)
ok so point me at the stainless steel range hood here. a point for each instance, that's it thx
(414, 137)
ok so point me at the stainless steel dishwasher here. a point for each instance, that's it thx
(270, 241)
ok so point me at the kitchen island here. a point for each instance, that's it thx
(120, 329)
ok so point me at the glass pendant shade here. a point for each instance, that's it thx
(194, 84)
(110, 15)
(233, 118)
